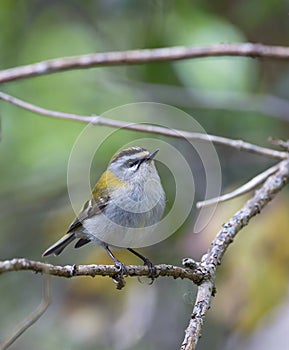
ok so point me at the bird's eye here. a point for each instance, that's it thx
(132, 164)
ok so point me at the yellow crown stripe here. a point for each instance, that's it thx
(130, 152)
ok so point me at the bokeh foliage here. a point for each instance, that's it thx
(228, 96)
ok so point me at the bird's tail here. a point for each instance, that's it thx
(58, 247)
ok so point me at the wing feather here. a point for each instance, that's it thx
(91, 207)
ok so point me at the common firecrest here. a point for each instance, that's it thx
(127, 197)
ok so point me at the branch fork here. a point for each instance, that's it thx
(202, 273)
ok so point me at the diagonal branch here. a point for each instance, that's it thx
(153, 129)
(143, 56)
(223, 239)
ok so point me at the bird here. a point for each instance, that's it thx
(127, 197)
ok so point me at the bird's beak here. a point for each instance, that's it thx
(152, 155)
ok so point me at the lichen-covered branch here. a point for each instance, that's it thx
(219, 245)
(68, 271)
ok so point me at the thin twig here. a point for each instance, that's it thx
(223, 239)
(153, 129)
(280, 143)
(248, 186)
(32, 318)
(143, 56)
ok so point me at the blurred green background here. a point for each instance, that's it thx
(236, 97)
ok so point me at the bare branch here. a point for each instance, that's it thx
(68, 271)
(32, 318)
(248, 186)
(202, 304)
(223, 239)
(153, 129)
(141, 57)
(42, 111)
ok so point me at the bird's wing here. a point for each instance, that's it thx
(91, 207)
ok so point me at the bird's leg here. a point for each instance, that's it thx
(147, 262)
(122, 268)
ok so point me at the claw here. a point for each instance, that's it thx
(148, 263)
(123, 270)
(152, 270)
(118, 279)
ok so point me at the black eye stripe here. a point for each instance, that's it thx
(132, 163)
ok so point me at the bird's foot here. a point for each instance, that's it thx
(151, 268)
(118, 278)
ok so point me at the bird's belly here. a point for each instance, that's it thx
(119, 227)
